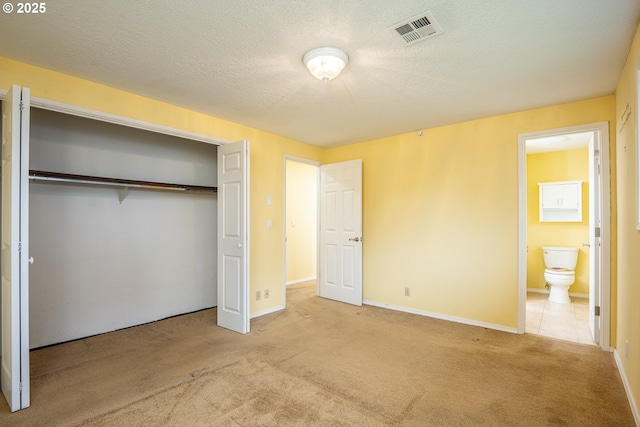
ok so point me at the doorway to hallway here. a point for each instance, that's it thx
(301, 221)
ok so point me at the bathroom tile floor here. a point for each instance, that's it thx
(569, 322)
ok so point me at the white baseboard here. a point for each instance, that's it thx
(627, 388)
(306, 279)
(546, 291)
(443, 317)
(578, 295)
(538, 290)
(267, 311)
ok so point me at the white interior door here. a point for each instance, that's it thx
(233, 236)
(341, 231)
(15, 248)
(595, 248)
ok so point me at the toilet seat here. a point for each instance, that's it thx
(558, 271)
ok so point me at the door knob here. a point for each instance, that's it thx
(588, 245)
(354, 239)
(30, 260)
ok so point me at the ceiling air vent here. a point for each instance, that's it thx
(418, 28)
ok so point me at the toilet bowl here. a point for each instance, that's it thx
(559, 281)
(560, 272)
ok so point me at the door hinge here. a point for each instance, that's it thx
(21, 106)
(597, 310)
(596, 157)
(20, 387)
(19, 246)
(597, 231)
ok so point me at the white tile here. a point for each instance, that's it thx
(582, 318)
(563, 322)
(568, 322)
(584, 335)
(582, 309)
(533, 320)
(555, 307)
(535, 308)
(530, 330)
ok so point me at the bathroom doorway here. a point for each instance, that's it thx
(301, 223)
(576, 154)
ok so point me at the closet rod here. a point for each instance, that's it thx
(36, 175)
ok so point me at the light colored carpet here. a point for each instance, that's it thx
(320, 362)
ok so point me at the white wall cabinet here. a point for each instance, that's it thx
(561, 201)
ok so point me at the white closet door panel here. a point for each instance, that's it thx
(15, 248)
(233, 236)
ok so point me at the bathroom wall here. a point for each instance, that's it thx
(302, 229)
(567, 165)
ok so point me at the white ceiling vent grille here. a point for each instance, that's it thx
(418, 28)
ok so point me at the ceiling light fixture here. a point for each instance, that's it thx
(325, 63)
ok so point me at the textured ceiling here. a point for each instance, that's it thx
(241, 60)
(559, 142)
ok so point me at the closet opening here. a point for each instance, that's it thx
(123, 227)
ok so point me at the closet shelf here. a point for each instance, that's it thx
(45, 176)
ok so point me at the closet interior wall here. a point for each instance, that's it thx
(102, 265)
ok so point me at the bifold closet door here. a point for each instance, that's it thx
(15, 248)
(233, 236)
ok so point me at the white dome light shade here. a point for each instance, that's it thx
(325, 63)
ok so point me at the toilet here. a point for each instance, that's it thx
(560, 263)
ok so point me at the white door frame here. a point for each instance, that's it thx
(74, 110)
(284, 221)
(601, 130)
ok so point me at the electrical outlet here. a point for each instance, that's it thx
(258, 297)
(266, 293)
(626, 349)
(407, 292)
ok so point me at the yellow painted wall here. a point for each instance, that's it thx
(628, 244)
(568, 165)
(302, 229)
(267, 157)
(440, 212)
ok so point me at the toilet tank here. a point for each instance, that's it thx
(560, 257)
